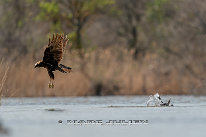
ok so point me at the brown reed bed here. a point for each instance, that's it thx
(4, 68)
(105, 72)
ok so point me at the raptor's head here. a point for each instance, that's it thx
(38, 64)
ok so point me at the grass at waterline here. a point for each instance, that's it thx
(5, 68)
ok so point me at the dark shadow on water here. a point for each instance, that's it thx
(3, 130)
(55, 110)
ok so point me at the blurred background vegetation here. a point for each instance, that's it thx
(118, 47)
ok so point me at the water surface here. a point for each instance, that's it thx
(33, 117)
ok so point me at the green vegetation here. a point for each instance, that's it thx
(74, 14)
(159, 10)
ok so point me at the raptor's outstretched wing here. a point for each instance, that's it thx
(54, 52)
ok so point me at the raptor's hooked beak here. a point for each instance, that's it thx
(36, 65)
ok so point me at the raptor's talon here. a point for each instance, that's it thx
(52, 85)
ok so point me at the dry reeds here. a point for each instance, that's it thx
(4, 70)
(104, 72)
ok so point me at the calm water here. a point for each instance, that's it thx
(35, 117)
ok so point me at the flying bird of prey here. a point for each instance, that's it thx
(53, 55)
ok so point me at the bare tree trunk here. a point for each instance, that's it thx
(133, 41)
(79, 36)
